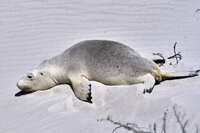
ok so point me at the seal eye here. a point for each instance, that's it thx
(29, 76)
(41, 73)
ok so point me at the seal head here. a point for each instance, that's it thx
(36, 80)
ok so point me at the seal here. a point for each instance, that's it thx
(108, 62)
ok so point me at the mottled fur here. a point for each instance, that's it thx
(108, 62)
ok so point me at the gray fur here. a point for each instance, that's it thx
(102, 60)
(108, 62)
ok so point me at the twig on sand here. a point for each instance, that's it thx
(197, 129)
(197, 10)
(159, 61)
(128, 126)
(176, 55)
(182, 123)
(135, 128)
(154, 127)
(163, 130)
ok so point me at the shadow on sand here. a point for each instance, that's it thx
(21, 93)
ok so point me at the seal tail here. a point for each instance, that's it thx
(178, 75)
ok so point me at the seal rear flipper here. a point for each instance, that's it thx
(82, 89)
(179, 75)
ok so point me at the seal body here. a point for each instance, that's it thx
(108, 62)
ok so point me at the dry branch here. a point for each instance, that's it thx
(154, 128)
(176, 55)
(183, 124)
(197, 129)
(159, 61)
(128, 126)
(135, 128)
(163, 130)
(197, 10)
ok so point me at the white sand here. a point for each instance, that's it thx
(33, 30)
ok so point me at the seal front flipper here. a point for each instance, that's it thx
(82, 88)
(149, 83)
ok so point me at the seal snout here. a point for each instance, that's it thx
(22, 86)
(19, 84)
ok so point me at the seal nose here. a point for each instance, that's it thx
(23, 85)
(19, 84)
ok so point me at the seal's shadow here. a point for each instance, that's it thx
(21, 93)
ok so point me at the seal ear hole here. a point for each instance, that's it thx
(41, 73)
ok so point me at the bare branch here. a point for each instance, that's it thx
(197, 129)
(162, 61)
(128, 126)
(133, 127)
(154, 127)
(163, 130)
(116, 129)
(180, 122)
(176, 55)
(197, 10)
(160, 55)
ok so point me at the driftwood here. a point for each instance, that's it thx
(162, 61)
(127, 126)
(135, 128)
(197, 10)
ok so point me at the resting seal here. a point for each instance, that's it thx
(108, 62)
